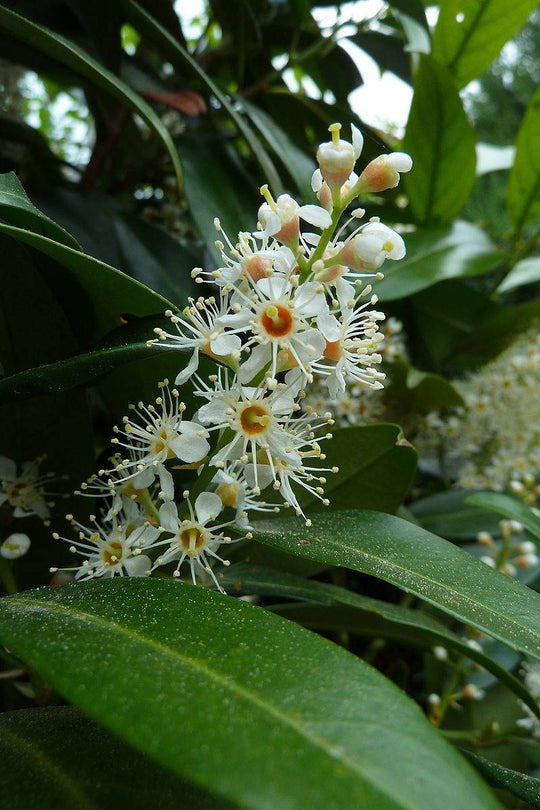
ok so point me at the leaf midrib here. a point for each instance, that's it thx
(232, 685)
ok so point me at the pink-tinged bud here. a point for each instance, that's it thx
(383, 172)
(280, 218)
(368, 250)
(325, 197)
(256, 267)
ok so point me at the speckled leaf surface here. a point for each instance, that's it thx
(418, 562)
(236, 699)
(55, 758)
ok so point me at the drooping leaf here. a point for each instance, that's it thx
(524, 787)
(364, 615)
(436, 254)
(55, 758)
(470, 33)
(256, 712)
(438, 137)
(508, 507)
(82, 63)
(418, 562)
(523, 192)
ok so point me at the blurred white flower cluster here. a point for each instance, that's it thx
(494, 441)
(288, 304)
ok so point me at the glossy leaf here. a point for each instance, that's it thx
(527, 271)
(124, 345)
(470, 33)
(524, 787)
(173, 49)
(418, 562)
(523, 193)
(376, 469)
(450, 514)
(82, 63)
(110, 292)
(365, 616)
(16, 209)
(55, 758)
(438, 137)
(256, 712)
(511, 508)
(438, 254)
(413, 391)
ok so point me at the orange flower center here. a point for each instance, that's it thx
(254, 420)
(333, 350)
(112, 553)
(192, 539)
(277, 320)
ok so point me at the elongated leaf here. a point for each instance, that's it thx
(241, 702)
(523, 193)
(449, 514)
(437, 254)
(418, 562)
(508, 507)
(111, 292)
(527, 271)
(172, 48)
(521, 785)
(297, 163)
(82, 63)
(128, 345)
(376, 469)
(16, 209)
(438, 137)
(413, 391)
(57, 759)
(364, 615)
(470, 33)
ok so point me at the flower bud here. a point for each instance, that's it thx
(368, 249)
(15, 546)
(383, 172)
(336, 158)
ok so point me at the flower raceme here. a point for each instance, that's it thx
(290, 301)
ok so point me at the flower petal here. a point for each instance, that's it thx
(138, 566)
(168, 516)
(316, 215)
(184, 375)
(189, 447)
(208, 506)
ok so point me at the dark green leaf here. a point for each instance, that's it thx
(413, 391)
(376, 468)
(364, 615)
(439, 138)
(387, 50)
(56, 759)
(436, 254)
(523, 193)
(418, 562)
(470, 33)
(525, 787)
(246, 704)
(508, 507)
(172, 48)
(71, 55)
(450, 514)
(16, 209)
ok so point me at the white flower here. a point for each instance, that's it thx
(337, 157)
(277, 314)
(192, 538)
(198, 330)
(352, 345)
(280, 218)
(25, 492)
(156, 437)
(371, 246)
(15, 546)
(114, 549)
(235, 493)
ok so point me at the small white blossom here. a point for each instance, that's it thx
(15, 546)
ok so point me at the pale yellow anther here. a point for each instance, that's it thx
(265, 191)
(388, 246)
(335, 129)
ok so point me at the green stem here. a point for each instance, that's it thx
(7, 578)
(145, 499)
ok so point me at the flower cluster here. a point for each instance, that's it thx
(494, 441)
(288, 304)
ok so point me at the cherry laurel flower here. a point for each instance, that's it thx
(15, 546)
(287, 308)
(25, 492)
